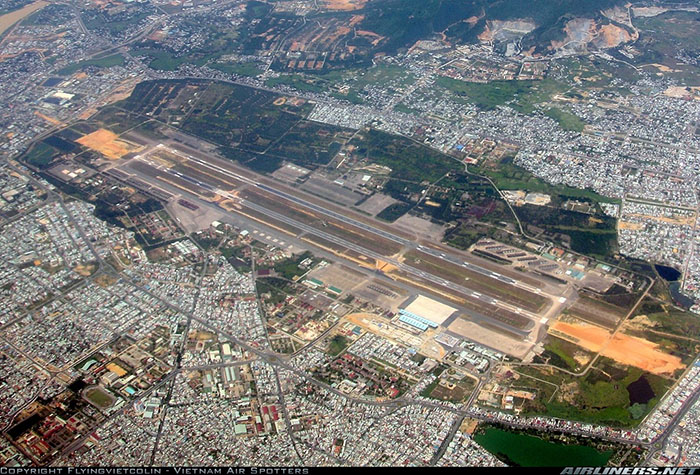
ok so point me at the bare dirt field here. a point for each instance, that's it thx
(630, 226)
(344, 5)
(9, 19)
(623, 348)
(107, 143)
(50, 120)
(680, 92)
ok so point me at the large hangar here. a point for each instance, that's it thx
(423, 312)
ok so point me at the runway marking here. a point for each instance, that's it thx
(363, 226)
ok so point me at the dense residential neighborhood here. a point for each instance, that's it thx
(299, 233)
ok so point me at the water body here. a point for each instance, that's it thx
(529, 451)
(669, 274)
(640, 391)
(680, 299)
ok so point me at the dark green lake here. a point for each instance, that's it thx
(529, 451)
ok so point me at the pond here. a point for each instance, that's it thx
(669, 274)
(640, 391)
(680, 299)
(530, 451)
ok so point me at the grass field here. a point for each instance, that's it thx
(566, 120)
(554, 346)
(337, 344)
(522, 96)
(99, 397)
(40, 155)
(105, 62)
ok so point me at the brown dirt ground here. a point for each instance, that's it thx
(107, 143)
(344, 5)
(614, 35)
(678, 220)
(9, 19)
(632, 226)
(50, 120)
(623, 348)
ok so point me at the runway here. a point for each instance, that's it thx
(524, 321)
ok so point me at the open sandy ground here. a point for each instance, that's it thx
(622, 348)
(9, 19)
(107, 143)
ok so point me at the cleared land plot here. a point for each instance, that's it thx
(344, 5)
(675, 332)
(107, 143)
(457, 392)
(476, 281)
(9, 19)
(622, 348)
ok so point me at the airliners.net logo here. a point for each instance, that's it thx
(630, 471)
